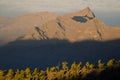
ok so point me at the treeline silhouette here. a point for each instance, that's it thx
(76, 71)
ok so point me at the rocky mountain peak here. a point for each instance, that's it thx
(88, 12)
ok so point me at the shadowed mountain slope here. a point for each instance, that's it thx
(33, 53)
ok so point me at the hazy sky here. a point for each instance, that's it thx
(107, 10)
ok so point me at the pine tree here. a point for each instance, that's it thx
(22, 75)
(111, 63)
(42, 75)
(64, 66)
(1, 75)
(28, 73)
(75, 70)
(17, 75)
(9, 74)
(87, 65)
(91, 66)
(35, 74)
(101, 65)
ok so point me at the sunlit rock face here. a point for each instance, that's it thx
(82, 25)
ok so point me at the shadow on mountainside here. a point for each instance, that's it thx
(47, 53)
(80, 19)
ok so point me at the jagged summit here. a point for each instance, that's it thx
(86, 12)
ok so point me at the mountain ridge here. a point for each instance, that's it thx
(81, 25)
(75, 28)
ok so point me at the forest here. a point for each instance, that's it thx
(76, 71)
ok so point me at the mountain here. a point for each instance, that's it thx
(74, 27)
(46, 39)
(82, 25)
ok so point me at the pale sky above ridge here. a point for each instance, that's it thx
(102, 8)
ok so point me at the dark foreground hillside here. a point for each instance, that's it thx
(76, 71)
(47, 53)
